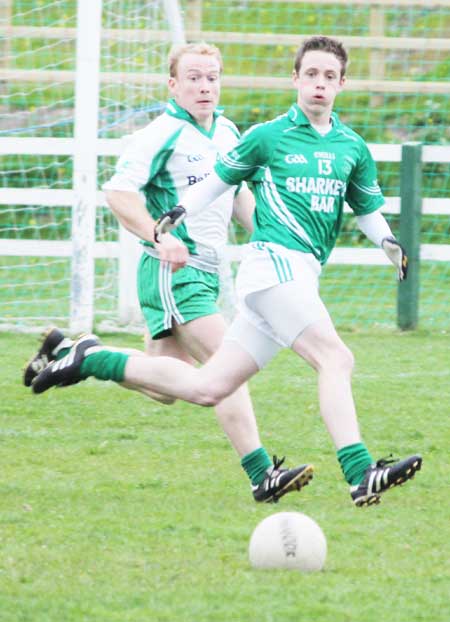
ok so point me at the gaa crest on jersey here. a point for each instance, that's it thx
(295, 158)
(195, 157)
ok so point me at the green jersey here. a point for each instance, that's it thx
(301, 180)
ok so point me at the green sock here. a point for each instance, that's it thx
(105, 365)
(255, 464)
(354, 460)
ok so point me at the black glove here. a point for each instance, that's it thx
(169, 221)
(397, 255)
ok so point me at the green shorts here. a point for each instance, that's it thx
(168, 298)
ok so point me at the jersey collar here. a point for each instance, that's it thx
(174, 110)
(298, 117)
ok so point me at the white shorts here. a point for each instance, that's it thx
(278, 294)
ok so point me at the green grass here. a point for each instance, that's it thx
(115, 508)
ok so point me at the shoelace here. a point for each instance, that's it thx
(382, 462)
(277, 463)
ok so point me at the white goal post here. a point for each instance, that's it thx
(84, 198)
(85, 155)
(89, 24)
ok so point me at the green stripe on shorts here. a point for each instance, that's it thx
(282, 267)
(169, 298)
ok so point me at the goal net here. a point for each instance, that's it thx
(397, 91)
(42, 56)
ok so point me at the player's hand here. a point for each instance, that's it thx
(173, 250)
(169, 221)
(397, 255)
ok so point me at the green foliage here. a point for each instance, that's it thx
(23, 171)
(357, 296)
(117, 509)
(419, 120)
(59, 13)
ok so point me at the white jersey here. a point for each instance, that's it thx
(163, 160)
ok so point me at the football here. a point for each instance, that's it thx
(289, 540)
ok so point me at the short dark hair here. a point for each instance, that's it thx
(324, 44)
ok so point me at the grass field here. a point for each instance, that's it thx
(117, 509)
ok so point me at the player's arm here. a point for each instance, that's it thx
(198, 197)
(243, 208)
(376, 229)
(129, 209)
(365, 198)
(236, 166)
(126, 201)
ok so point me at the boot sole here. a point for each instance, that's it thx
(302, 479)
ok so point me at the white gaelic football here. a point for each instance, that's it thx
(289, 540)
